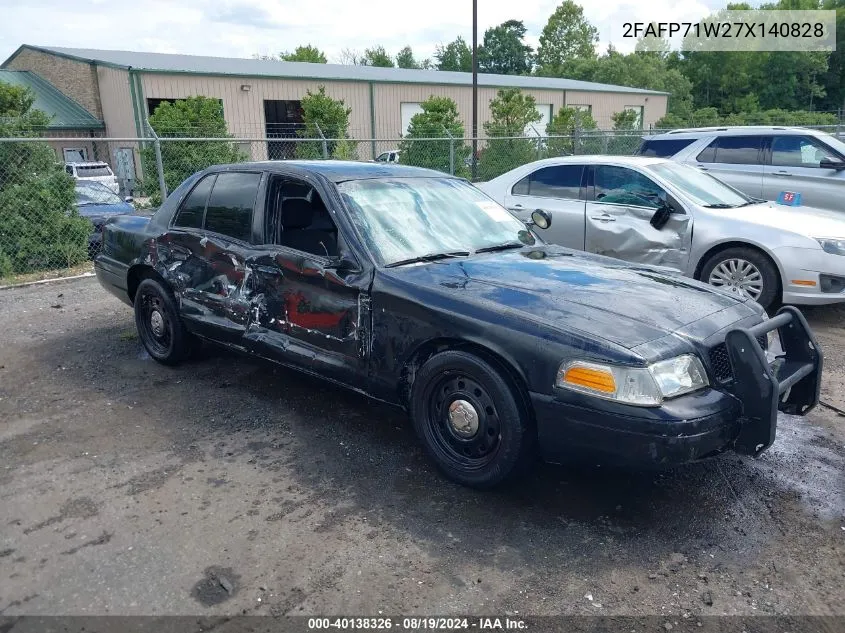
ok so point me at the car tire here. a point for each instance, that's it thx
(472, 420)
(750, 265)
(159, 325)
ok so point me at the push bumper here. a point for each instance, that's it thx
(741, 416)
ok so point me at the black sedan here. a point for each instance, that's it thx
(416, 289)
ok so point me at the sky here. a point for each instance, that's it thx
(241, 28)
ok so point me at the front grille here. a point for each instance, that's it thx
(720, 362)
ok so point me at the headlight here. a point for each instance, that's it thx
(643, 386)
(832, 245)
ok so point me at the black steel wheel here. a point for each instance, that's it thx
(159, 326)
(471, 419)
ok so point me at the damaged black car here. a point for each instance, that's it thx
(415, 288)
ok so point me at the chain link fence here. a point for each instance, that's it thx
(52, 209)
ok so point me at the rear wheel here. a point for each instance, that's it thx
(159, 326)
(746, 272)
(471, 420)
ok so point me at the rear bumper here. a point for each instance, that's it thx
(741, 417)
(112, 277)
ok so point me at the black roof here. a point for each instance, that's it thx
(340, 170)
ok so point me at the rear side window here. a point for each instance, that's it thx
(663, 148)
(231, 204)
(733, 150)
(191, 212)
(559, 181)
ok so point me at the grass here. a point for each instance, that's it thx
(13, 280)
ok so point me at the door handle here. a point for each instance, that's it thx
(782, 173)
(517, 206)
(603, 218)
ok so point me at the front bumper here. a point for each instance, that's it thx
(740, 416)
(803, 269)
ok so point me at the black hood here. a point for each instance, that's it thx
(621, 303)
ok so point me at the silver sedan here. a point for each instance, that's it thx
(654, 211)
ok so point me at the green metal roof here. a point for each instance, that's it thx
(65, 113)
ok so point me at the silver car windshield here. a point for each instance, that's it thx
(405, 219)
(703, 189)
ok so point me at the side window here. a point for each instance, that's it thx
(559, 181)
(663, 148)
(231, 204)
(191, 212)
(620, 185)
(521, 188)
(69, 169)
(297, 218)
(733, 150)
(799, 151)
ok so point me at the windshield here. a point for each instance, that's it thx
(702, 188)
(406, 218)
(95, 194)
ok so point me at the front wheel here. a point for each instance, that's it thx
(471, 420)
(159, 326)
(746, 272)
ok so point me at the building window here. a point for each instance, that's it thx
(407, 112)
(154, 103)
(538, 128)
(580, 107)
(74, 154)
(638, 123)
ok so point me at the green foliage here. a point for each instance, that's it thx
(40, 227)
(510, 113)
(439, 118)
(305, 53)
(194, 117)
(625, 120)
(376, 57)
(455, 56)
(704, 117)
(565, 128)
(322, 114)
(405, 58)
(504, 52)
(567, 36)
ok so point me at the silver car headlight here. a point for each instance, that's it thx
(641, 386)
(832, 245)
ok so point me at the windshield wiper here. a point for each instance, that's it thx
(500, 247)
(431, 257)
(719, 205)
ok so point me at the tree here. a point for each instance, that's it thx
(40, 227)
(327, 117)
(305, 53)
(376, 57)
(626, 120)
(194, 117)
(504, 52)
(510, 113)
(405, 58)
(567, 36)
(834, 79)
(456, 55)
(565, 128)
(438, 120)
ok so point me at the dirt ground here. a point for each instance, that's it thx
(228, 486)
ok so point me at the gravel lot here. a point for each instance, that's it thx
(228, 485)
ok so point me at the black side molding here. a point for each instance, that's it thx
(790, 385)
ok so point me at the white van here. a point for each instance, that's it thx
(93, 171)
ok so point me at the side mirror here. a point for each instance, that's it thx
(541, 218)
(342, 263)
(129, 199)
(662, 215)
(829, 163)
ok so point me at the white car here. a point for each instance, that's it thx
(656, 211)
(93, 172)
(762, 162)
(391, 156)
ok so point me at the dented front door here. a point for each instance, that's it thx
(299, 311)
(619, 210)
